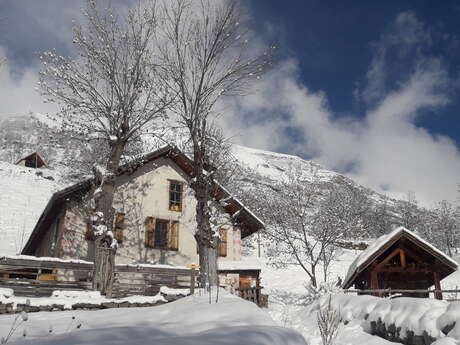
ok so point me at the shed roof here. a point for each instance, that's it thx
(372, 252)
(36, 158)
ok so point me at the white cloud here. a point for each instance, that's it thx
(18, 94)
(384, 150)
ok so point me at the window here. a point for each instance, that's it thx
(161, 234)
(175, 195)
(222, 242)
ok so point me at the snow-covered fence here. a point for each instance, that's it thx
(39, 277)
(147, 280)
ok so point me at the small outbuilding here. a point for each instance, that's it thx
(400, 260)
(34, 160)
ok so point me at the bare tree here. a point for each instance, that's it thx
(111, 92)
(409, 212)
(289, 213)
(341, 213)
(206, 56)
(444, 226)
(382, 218)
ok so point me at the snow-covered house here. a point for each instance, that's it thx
(400, 260)
(155, 219)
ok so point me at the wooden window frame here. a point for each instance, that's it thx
(172, 204)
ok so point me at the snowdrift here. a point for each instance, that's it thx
(189, 321)
(412, 320)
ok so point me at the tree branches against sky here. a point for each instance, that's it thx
(371, 93)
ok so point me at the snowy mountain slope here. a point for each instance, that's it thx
(24, 193)
(270, 166)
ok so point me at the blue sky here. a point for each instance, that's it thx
(367, 88)
(333, 42)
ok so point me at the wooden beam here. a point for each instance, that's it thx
(437, 285)
(402, 256)
(414, 256)
(389, 257)
(374, 281)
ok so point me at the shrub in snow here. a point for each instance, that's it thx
(18, 321)
(328, 322)
(314, 293)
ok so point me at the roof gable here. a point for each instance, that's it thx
(377, 248)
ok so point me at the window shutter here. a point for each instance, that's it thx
(173, 236)
(89, 235)
(119, 226)
(149, 232)
(223, 242)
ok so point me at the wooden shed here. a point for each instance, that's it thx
(34, 160)
(400, 260)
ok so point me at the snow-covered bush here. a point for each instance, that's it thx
(314, 293)
(328, 320)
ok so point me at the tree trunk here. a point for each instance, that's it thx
(206, 240)
(208, 267)
(104, 261)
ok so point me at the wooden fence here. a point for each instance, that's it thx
(254, 295)
(388, 292)
(39, 278)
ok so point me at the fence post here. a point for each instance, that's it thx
(192, 282)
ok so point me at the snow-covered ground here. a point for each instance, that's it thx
(23, 197)
(287, 290)
(189, 321)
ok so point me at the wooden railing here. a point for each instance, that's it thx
(39, 278)
(389, 292)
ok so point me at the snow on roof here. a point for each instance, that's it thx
(44, 258)
(239, 202)
(23, 197)
(244, 264)
(366, 254)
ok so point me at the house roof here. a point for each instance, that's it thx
(248, 222)
(39, 161)
(367, 256)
